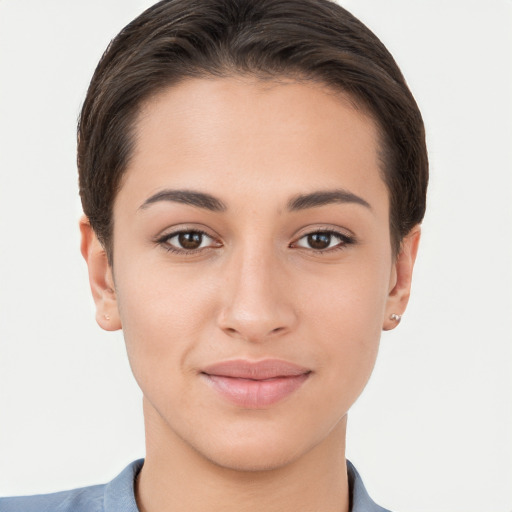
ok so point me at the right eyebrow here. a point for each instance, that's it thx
(190, 197)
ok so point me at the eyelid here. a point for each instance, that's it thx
(324, 228)
(184, 228)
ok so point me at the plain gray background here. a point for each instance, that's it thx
(432, 431)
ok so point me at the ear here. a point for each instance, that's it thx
(100, 278)
(401, 278)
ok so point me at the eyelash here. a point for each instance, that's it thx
(344, 241)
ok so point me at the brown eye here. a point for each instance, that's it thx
(324, 240)
(191, 240)
(185, 241)
(319, 240)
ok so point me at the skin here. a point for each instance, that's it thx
(254, 289)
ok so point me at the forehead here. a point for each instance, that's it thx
(272, 137)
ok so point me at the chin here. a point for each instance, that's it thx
(252, 457)
(260, 446)
(245, 441)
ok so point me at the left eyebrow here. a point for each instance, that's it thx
(325, 197)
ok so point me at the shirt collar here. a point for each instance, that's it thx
(120, 492)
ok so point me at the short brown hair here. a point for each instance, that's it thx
(305, 39)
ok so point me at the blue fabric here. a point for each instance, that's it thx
(119, 496)
(359, 498)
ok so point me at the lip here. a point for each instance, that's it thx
(255, 385)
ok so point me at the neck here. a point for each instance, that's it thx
(316, 480)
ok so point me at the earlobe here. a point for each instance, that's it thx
(400, 285)
(100, 278)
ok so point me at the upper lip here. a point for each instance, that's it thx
(255, 370)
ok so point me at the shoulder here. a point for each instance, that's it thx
(85, 499)
(116, 496)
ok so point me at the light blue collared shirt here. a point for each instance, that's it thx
(119, 496)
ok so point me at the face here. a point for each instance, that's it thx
(253, 270)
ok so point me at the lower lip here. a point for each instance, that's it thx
(256, 394)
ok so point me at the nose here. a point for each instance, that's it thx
(257, 300)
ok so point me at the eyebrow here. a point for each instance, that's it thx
(300, 202)
(325, 197)
(190, 197)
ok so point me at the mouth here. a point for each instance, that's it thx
(255, 385)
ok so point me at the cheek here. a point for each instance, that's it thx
(344, 317)
(349, 300)
(165, 314)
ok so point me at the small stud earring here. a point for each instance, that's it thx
(106, 317)
(396, 318)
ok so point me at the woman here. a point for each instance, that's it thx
(253, 177)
